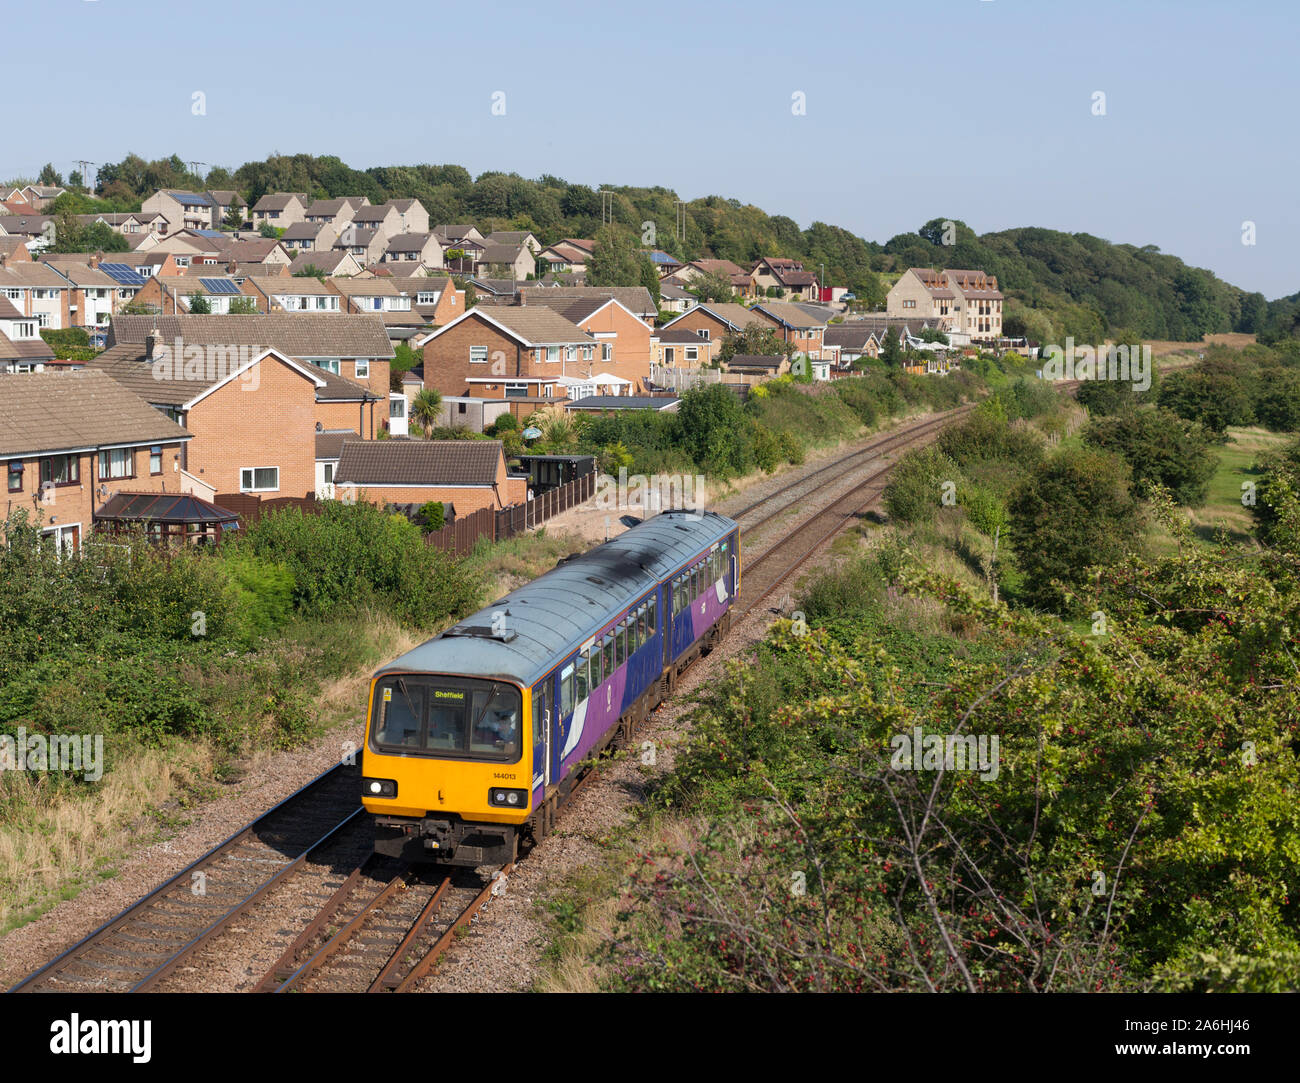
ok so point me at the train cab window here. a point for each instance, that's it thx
(401, 715)
(650, 616)
(566, 691)
(584, 669)
(609, 656)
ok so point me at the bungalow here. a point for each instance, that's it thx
(106, 440)
(636, 299)
(263, 250)
(38, 196)
(468, 474)
(739, 279)
(758, 364)
(174, 295)
(566, 257)
(675, 299)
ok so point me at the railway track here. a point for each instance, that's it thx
(383, 930)
(146, 943)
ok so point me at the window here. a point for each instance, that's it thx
(566, 691)
(552, 353)
(650, 616)
(586, 353)
(642, 633)
(118, 462)
(608, 649)
(259, 479)
(703, 332)
(597, 658)
(584, 671)
(396, 407)
(61, 470)
(425, 297)
(620, 644)
(329, 473)
(478, 355)
(692, 353)
(516, 391)
(330, 364)
(606, 351)
(13, 294)
(363, 369)
(15, 474)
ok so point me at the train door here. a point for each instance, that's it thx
(543, 716)
(563, 715)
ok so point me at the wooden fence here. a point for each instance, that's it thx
(462, 535)
(250, 507)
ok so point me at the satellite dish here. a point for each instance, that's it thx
(532, 433)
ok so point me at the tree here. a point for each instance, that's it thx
(1160, 448)
(269, 231)
(891, 349)
(234, 218)
(199, 305)
(310, 270)
(425, 408)
(712, 286)
(50, 176)
(76, 181)
(1073, 512)
(755, 340)
(650, 278)
(243, 306)
(1216, 399)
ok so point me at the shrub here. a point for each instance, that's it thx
(917, 485)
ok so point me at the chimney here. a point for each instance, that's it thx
(232, 267)
(94, 260)
(151, 341)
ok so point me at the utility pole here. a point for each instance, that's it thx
(681, 221)
(606, 207)
(194, 168)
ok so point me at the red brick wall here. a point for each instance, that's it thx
(270, 424)
(447, 366)
(631, 348)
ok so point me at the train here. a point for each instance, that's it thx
(476, 738)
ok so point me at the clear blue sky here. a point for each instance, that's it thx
(975, 109)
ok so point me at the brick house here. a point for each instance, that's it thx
(624, 340)
(438, 300)
(37, 291)
(803, 331)
(351, 354)
(515, 353)
(740, 279)
(636, 299)
(468, 474)
(106, 440)
(92, 295)
(786, 275)
(717, 321)
(672, 347)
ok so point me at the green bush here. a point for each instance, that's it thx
(918, 484)
(1160, 448)
(265, 591)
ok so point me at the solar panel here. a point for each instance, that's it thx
(123, 274)
(218, 285)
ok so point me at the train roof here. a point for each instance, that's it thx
(544, 620)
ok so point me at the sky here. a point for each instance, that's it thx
(872, 116)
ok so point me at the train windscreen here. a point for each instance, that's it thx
(452, 717)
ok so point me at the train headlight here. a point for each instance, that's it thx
(379, 787)
(508, 798)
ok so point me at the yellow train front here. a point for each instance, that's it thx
(476, 737)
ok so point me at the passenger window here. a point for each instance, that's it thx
(641, 634)
(650, 616)
(566, 691)
(596, 676)
(609, 656)
(620, 645)
(584, 660)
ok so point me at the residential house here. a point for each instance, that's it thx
(966, 303)
(467, 474)
(37, 196)
(739, 279)
(14, 249)
(286, 293)
(437, 300)
(366, 246)
(264, 251)
(174, 295)
(796, 326)
(335, 263)
(674, 347)
(453, 235)
(495, 291)
(414, 248)
(461, 255)
(717, 321)
(749, 364)
(335, 212)
(36, 230)
(675, 299)
(664, 263)
(516, 353)
(411, 215)
(37, 291)
(786, 276)
(222, 202)
(92, 293)
(383, 217)
(329, 445)
(182, 210)
(280, 209)
(566, 257)
(513, 237)
(21, 347)
(308, 237)
(505, 261)
(636, 299)
(623, 341)
(69, 441)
